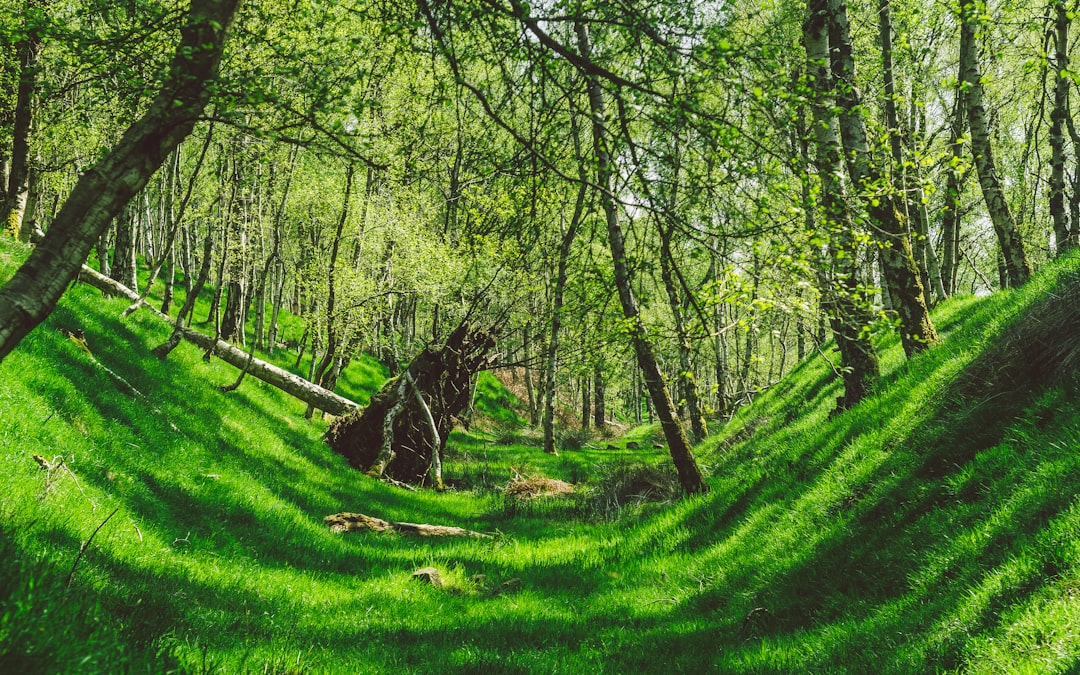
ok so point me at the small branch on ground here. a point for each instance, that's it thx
(86, 545)
(351, 522)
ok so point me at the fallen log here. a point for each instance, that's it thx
(354, 522)
(291, 384)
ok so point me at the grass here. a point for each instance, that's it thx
(932, 528)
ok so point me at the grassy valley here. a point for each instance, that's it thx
(934, 527)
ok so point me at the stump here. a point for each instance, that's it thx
(418, 409)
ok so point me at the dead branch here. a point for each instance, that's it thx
(351, 522)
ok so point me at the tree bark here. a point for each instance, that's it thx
(28, 297)
(687, 385)
(183, 317)
(586, 401)
(1016, 264)
(530, 391)
(950, 217)
(332, 338)
(898, 263)
(598, 412)
(679, 445)
(1063, 237)
(911, 192)
(565, 244)
(235, 257)
(841, 296)
(123, 262)
(28, 50)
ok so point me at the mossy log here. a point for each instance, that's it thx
(402, 432)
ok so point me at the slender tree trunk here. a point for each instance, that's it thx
(183, 317)
(332, 338)
(1015, 261)
(586, 401)
(123, 263)
(101, 249)
(679, 445)
(598, 411)
(30, 229)
(950, 217)
(687, 385)
(1060, 112)
(28, 51)
(235, 259)
(841, 294)
(911, 192)
(556, 315)
(898, 263)
(278, 299)
(219, 286)
(530, 390)
(28, 297)
(1074, 202)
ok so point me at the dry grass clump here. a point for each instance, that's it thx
(530, 488)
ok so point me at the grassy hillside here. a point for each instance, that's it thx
(934, 527)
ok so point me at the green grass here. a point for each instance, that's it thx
(932, 528)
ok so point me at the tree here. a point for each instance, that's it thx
(842, 298)
(886, 216)
(678, 444)
(1016, 264)
(1064, 237)
(28, 297)
(16, 193)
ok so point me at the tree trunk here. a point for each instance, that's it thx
(394, 434)
(911, 192)
(235, 258)
(841, 296)
(332, 338)
(28, 53)
(598, 411)
(898, 263)
(212, 315)
(282, 379)
(30, 229)
(950, 217)
(1062, 235)
(183, 317)
(679, 445)
(123, 264)
(530, 390)
(586, 401)
(1017, 268)
(556, 317)
(687, 385)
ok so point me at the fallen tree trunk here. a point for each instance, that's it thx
(353, 522)
(291, 384)
(403, 431)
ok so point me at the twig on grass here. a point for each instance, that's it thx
(86, 545)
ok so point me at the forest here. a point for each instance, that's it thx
(482, 335)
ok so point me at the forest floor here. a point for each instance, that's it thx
(935, 527)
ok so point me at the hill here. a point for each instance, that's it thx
(933, 527)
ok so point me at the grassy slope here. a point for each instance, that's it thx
(917, 532)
